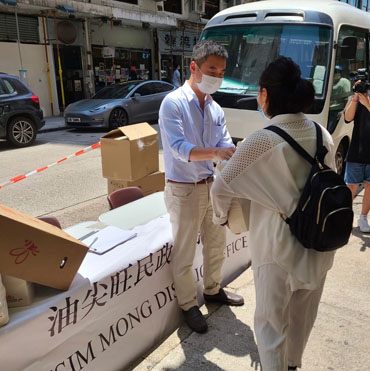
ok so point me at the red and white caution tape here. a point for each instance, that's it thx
(39, 170)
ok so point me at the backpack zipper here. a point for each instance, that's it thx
(333, 212)
(313, 176)
(322, 195)
(320, 172)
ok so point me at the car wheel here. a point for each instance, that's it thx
(21, 132)
(340, 160)
(117, 118)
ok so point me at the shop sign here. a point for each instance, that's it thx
(180, 41)
(108, 52)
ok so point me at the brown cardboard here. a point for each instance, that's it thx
(37, 251)
(130, 152)
(149, 184)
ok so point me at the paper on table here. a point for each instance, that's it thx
(107, 238)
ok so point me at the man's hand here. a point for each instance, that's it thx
(224, 153)
(204, 154)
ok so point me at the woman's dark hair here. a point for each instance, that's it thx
(287, 91)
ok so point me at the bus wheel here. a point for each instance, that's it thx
(339, 160)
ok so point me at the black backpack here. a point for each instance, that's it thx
(323, 218)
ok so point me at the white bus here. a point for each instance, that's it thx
(328, 39)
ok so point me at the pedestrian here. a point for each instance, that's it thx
(176, 77)
(358, 158)
(341, 90)
(133, 74)
(267, 171)
(193, 133)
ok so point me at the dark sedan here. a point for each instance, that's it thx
(119, 105)
(20, 113)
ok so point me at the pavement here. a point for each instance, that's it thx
(339, 340)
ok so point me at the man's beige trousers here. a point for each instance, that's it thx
(190, 209)
(283, 318)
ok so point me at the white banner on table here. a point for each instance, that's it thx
(116, 309)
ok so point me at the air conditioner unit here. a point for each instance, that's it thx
(198, 6)
(159, 6)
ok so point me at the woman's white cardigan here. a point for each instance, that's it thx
(268, 172)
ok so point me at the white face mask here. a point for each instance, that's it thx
(209, 84)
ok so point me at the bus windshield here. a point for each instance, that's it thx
(252, 47)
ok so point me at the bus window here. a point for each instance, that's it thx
(342, 83)
(252, 47)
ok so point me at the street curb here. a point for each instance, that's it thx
(53, 129)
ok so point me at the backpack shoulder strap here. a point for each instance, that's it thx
(293, 143)
(321, 150)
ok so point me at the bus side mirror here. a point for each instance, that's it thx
(348, 48)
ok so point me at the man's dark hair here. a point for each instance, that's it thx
(204, 48)
(287, 91)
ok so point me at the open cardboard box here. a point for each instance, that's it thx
(37, 251)
(130, 152)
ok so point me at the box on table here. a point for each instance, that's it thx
(148, 184)
(37, 251)
(130, 152)
(19, 292)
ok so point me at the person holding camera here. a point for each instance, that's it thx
(358, 158)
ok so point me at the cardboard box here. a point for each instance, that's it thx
(19, 292)
(37, 251)
(130, 152)
(149, 184)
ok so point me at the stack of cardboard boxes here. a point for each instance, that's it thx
(130, 159)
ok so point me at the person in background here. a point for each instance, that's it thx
(176, 77)
(266, 170)
(339, 97)
(193, 133)
(358, 158)
(133, 74)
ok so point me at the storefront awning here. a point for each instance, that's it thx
(154, 19)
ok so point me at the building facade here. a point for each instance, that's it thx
(66, 50)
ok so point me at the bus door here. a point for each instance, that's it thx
(342, 83)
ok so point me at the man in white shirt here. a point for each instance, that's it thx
(193, 133)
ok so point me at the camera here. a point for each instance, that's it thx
(363, 75)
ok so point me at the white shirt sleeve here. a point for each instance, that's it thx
(237, 179)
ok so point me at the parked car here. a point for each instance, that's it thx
(20, 114)
(119, 104)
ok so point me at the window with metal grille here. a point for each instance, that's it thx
(173, 6)
(212, 7)
(28, 28)
(134, 2)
